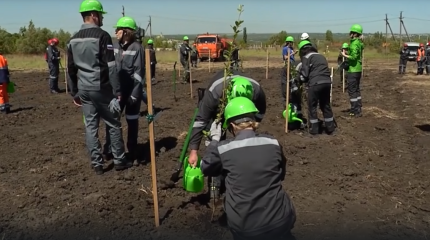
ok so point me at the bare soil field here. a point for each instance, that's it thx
(369, 181)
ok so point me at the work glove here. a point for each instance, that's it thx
(114, 106)
(216, 131)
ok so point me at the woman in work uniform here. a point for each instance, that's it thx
(256, 205)
(316, 74)
(130, 65)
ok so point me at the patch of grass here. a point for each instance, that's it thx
(37, 62)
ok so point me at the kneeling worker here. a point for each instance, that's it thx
(256, 205)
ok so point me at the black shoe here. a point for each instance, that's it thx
(99, 170)
(54, 91)
(123, 165)
(107, 156)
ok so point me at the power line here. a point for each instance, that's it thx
(417, 19)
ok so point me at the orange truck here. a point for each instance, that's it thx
(213, 44)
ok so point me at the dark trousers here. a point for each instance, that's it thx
(153, 65)
(420, 67)
(320, 94)
(353, 81)
(295, 95)
(54, 72)
(402, 65)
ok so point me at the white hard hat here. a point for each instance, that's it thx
(304, 36)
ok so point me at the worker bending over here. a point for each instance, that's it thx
(295, 97)
(316, 75)
(184, 53)
(4, 81)
(53, 60)
(256, 205)
(130, 64)
(240, 86)
(403, 61)
(421, 59)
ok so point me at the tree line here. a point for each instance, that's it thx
(33, 40)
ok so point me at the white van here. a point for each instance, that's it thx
(413, 50)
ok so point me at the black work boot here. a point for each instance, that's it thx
(123, 165)
(400, 70)
(329, 127)
(99, 170)
(315, 128)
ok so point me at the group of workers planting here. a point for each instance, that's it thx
(422, 58)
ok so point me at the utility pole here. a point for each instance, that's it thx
(150, 27)
(404, 28)
(401, 19)
(123, 12)
(386, 34)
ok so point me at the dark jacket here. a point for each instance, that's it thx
(208, 106)
(254, 166)
(315, 70)
(130, 65)
(152, 55)
(184, 51)
(404, 53)
(53, 55)
(91, 61)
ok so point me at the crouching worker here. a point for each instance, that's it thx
(240, 86)
(4, 81)
(316, 75)
(130, 65)
(295, 99)
(256, 205)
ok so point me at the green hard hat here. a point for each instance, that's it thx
(345, 45)
(238, 106)
(126, 22)
(304, 43)
(289, 39)
(292, 115)
(90, 6)
(357, 28)
(150, 41)
(185, 38)
(241, 87)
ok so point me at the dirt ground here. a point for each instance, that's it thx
(369, 181)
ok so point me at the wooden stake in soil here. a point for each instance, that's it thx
(267, 64)
(331, 86)
(209, 60)
(65, 71)
(191, 75)
(343, 76)
(179, 60)
(362, 66)
(287, 99)
(151, 138)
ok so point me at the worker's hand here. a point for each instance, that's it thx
(114, 106)
(193, 158)
(216, 131)
(77, 101)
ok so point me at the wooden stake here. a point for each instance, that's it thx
(287, 99)
(151, 138)
(191, 76)
(362, 66)
(209, 60)
(267, 64)
(343, 76)
(179, 60)
(65, 71)
(331, 86)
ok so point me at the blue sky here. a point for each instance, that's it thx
(198, 16)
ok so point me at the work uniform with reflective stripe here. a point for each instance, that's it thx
(254, 167)
(403, 61)
(184, 52)
(427, 62)
(130, 65)
(4, 81)
(94, 79)
(353, 77)
(295, 93)
(54, 66)
(316, 74)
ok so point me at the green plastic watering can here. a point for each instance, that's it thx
(10, 87)
(292, 116)
(194, 180)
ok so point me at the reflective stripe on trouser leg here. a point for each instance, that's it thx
(313, 104)
(353, 90)
(92, 120)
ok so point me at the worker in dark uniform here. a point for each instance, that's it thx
(184, 52)
(234, 56)
(53, 59)
(153, 59)
(305, 37)
(295, 99)
(256, 205)
(404, 53)
(194, 56)
(355, 68)
(130, 64)
(208, 110)
(315, 73)
(428, 58)
(340, 61)
(94, 84)
(421, 59)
